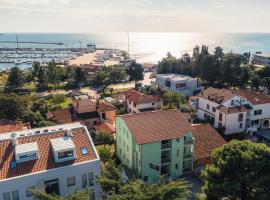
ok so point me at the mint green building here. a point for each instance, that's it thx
(155, 144)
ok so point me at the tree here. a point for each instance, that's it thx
(35, 72)
(12, 106)
(77, 195)
(173, 99)
(105, 153)
(35, 119)
(79, 76)
(135, 72)
(239, 170)
(57, 99)
(110, 180)
(104, 137)
(110, 75)
(15, 78)
(53, 72)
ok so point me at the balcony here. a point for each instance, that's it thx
(189, 141)
(166, 146)
(188, 155)
(165, 160)
(186, 170)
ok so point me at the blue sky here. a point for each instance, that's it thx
(134, 15)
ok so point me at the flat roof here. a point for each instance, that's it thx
(27, 147)
(43, 137)
(60, 144)
(176, 77)
(263, 54)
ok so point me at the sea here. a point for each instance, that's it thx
(145, 47)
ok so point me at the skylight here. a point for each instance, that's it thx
(84, 150)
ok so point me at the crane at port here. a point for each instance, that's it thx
(29, 42)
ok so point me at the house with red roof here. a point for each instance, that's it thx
(57, 159)
(60, 116)
(137, 102)
(234, 111)
(154, 144)
(9, 126)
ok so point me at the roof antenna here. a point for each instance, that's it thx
(14, 139)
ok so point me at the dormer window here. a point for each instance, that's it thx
(26, 152)
(63, 149)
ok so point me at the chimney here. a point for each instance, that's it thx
(14, 139)
(69, 132)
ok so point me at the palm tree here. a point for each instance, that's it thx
(53, 73)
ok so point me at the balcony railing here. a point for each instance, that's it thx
(166, 146)
(187, 170)
(188, 155)
(165, 160)
(188, 141)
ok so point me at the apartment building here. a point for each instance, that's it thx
(155, 144)
(137, 102)
(57, 159)
(234, 110)
(261, 58)
(182, 84)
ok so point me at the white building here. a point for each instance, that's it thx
(56, 159)
(235, 110)
(137, 102)
(261, 59)
(185, 85)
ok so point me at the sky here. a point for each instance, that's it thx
(86, 16)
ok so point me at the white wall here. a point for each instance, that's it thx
(21, 183)
(202, 108)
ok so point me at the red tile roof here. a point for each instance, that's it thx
(254, 97)
(217, 95)
(105, 106)
(46, 160)
(231, 110)
(84, 106)
(156, 126)
(206, 140)
(10, 126)
(105, 126)
(61, 116)
(139, 98)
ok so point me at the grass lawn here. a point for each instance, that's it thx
(66, 103)
(30, 86)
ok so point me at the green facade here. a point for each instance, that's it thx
(170, 158)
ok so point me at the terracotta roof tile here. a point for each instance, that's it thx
(231, 110)
(206, 140)
(139, 98)
(61, 116)
(46, 160)
(254, 97)
(106, 126)
(105, 106)
(217, 95)
(10, 126)
(155, 126)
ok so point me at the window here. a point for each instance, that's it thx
(91, 178)
(65, 154)
(257, 112)
(127, 148)
(29, 155)
(254, 122)
(15, 195)
(240, 125)
(240, 117)
(95, 122)
(213, 109)
(153, 103)
(205, 116)
(232, 102)
(84, 180)
(177, 152)
(168, 83)
(207, 106)
(177, 140)
(6, 196)
(176, 166)
(220, 117)
(29, 191)
(71, 181)
(180, 85)
(145, 178)
(134, 104)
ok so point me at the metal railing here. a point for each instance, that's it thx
(165, 160)
(166, 146)
(188, 155)
(188, 141)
